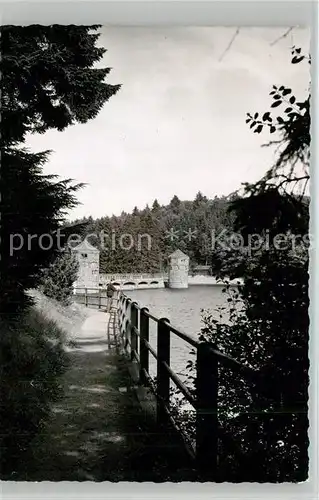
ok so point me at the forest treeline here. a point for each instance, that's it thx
(187, 225)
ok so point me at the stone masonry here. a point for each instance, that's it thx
(89, 265)
(178, 270)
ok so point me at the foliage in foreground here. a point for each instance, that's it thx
(274, 324)
(264, 422)
(49, 81)
(32, 360)
(34, 206)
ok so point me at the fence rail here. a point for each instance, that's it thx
(134, 326)
(134, 332)
(96, 297)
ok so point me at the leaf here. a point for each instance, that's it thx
(276, 104)
(286, 92)
(296, 59)
(259, 129)
(301, 105)
(280, 119)
(292, 99)
(266, 116)
(288, 110)
(272, 129)
(277, 96)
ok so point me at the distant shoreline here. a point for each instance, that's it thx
(211, 280)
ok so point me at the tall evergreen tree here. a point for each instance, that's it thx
(175, 203)
(155, 205)
(48, 81)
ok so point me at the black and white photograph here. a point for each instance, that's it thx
(154, 253)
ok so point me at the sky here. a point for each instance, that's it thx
(177, 125)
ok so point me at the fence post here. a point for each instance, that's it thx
(127, 304)
(163, 379)
(99, 298)
(122, 316)
(126, 340)
(86, 297)
(144, 335)
(206, 410)
(134, 324)
(126, 319)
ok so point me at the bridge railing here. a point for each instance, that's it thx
(131, 277)
(134, 326)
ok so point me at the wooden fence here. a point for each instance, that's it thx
(91, 297)
(134, 326)
(134, 330)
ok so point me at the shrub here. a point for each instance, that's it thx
(57, 280)
(32, 360)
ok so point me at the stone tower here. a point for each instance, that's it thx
(178, 270)
(89, 265)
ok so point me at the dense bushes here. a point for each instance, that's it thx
(264, 423)
(58, 279)
(32, 360)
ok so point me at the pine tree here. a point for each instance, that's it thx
(34, 206)
(175, 202)
(155, 205)
(48, 78)
(48, 81)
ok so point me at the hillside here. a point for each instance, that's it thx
(141, 241)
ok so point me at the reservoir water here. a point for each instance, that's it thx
(183, 309)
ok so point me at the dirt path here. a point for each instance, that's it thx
(98, 431)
